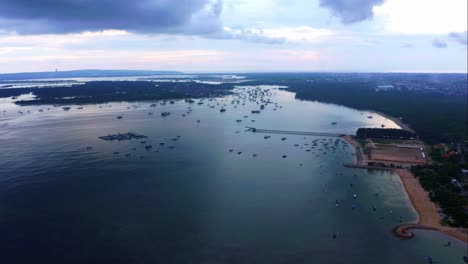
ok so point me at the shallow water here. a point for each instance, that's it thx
(198, 202)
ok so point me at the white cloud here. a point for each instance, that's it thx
(279, 35)
(423, 16)
(298, 34)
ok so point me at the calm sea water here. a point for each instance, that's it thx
(198, 202)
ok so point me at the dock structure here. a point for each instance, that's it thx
(358, 166)
(304, 133)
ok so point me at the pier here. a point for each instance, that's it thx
(304, 133)
(357, 166)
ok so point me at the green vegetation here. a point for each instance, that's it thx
(387, 141)
(436, 117)
(112, 91)
(385, 133)
(437, 179)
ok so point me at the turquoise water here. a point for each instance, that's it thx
(198, 202)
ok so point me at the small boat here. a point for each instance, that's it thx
(238, 120)
(267, 137)
(255, 111)
(283, 138)
(148, 147)
(334, 123)
(429, 260)
(222, 110)
(119, 117)
(284, 156)
(165, 113)
(66, 108)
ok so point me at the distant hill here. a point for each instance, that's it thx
(79, 73)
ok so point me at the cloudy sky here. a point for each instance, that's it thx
(234, 35)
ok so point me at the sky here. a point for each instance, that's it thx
(234, 35)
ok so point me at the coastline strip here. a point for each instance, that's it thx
(427, 211)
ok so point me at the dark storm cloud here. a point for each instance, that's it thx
(351, 11)
(147, 16)
(439, 43)
(460, 37)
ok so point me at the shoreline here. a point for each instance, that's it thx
(396, 120)
(427, 211)
(429, 218)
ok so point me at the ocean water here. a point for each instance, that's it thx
(207, 199)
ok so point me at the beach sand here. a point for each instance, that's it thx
(397, 121)
(429, 218)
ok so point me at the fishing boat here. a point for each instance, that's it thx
(429, 260)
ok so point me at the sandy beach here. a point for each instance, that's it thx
(427, 210)
(429, 218)
(397, 121)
